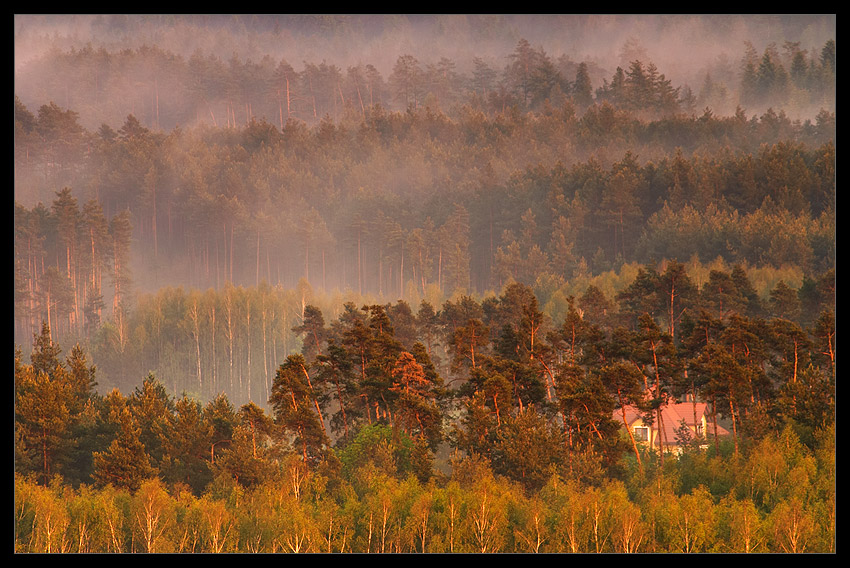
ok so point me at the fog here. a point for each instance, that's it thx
(357, 193)
(683, 47)
(276, 273)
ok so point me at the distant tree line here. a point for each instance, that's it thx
(776, 78)
(166, 90)
(383, 209)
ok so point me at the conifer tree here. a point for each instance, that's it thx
(125, 463)
(582, 90)
(42, 418)
(295, 409)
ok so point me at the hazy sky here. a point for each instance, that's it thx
(677, 44)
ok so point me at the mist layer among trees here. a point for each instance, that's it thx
(388, 282)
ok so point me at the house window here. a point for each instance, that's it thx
(641, 433)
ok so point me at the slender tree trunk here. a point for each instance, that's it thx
(794, 379)
(550, 379)
(359, 268)
(248, 335)
(315, 400)
(369, 537)
(341, 406)
(228, 313)
(440, 270)
(288, 101)
(714, 419)
(694, 404)
(672, 298)
(629, 430)
(198, 356)
(265, 350)
(212, 343)
(360, 99)
(206, 260)
(472, 347)
(661, 434)
(153, 215)
(734, 424)
(47, 298)
(313, 99)
(421, 272)
(341, 96)
(197, 337)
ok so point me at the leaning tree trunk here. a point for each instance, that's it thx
(629, 430)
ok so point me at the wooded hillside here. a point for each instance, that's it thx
(400, 304)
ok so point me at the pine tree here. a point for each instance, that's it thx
(125, 463)
(312, 332)
(784, 301)
(42, 418)
(582, 90)
(45, 353)
(625, 384)
(188, 454)
(296, 409)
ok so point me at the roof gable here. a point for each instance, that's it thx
(673, 412)
(672, 415)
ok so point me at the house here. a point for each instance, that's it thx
(673, 415)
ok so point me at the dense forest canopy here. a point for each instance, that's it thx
(403, 272)
(688, 49)
(358, 417)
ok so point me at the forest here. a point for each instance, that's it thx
(402, 305)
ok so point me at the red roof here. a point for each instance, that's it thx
(672, 415)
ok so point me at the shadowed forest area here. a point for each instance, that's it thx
(388, 283)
